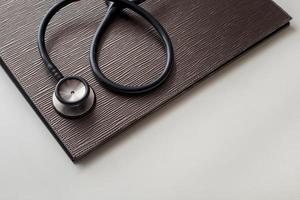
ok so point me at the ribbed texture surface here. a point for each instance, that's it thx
(206, 34)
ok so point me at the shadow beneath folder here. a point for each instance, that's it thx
(175, 103)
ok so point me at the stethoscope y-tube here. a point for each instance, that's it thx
(73, 97)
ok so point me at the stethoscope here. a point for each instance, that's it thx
(73, 97)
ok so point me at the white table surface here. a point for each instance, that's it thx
(235, 136)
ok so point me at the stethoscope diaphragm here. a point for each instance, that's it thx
(73, 97)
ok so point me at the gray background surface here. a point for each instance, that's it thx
(243, 128)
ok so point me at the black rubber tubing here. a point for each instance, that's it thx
(114, 7)
(41, 38)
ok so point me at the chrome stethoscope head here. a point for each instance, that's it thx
(73, 97)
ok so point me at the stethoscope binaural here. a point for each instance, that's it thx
(73, 97)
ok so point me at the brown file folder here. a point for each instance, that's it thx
(206, 34)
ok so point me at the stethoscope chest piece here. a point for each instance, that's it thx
(73, 97)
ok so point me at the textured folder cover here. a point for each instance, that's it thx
(206, 35)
